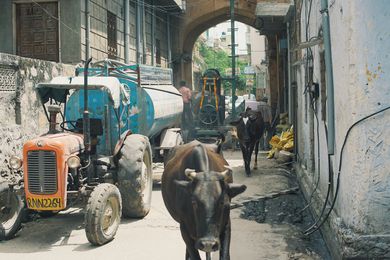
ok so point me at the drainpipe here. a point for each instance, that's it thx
(290, 105)
(138, 28)
(169, 41)
(144, 52)
(329, 76)
(153, 26)
(233, 46)
(127, 30)
(87, 29)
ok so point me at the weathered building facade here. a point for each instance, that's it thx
(356, 168)
(64, 30)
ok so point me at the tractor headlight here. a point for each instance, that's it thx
(15, 162)
(73, 162)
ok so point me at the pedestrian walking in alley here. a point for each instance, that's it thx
(187, 117)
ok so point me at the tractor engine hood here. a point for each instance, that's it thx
(45, 169)
(68, 143)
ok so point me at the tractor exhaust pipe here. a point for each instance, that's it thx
(86, 123)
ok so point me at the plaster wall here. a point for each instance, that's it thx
(21, 113)
(70, 35)
(258, 49)
(360, 53)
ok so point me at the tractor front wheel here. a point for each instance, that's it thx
(11, 207)
(47, 213)
(103, 214)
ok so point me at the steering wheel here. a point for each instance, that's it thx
(73, 124)
(208, 114)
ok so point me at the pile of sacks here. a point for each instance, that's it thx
(284, 142)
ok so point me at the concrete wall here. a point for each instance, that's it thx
(360, 51)
(257, 43)
(70, 35)
(21, 113)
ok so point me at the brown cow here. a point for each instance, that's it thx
(197, 190)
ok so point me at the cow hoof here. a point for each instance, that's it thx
(249, 175)
(255, 168)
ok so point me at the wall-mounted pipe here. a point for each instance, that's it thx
(169, 41)
(329, 76)
(127, 30)
(153, 30)
(87, 29)
(138, 31)
(233, 46)
(290, 105)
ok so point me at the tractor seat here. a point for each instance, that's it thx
(96, 126)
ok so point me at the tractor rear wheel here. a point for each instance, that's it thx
(103, 214)
(11, 207)
(135, 176)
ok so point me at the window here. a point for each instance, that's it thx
(112, 47)
(37, 31)
(158, 52)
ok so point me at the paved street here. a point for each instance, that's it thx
(157, 237)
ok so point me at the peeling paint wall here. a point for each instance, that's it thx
(360, 39)
(21, 113)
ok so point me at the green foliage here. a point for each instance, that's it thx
(220, 60)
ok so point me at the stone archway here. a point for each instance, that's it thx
(259, 14)
(198, 19)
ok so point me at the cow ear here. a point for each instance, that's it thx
(182, 184)
(235, 123)
(235, 189)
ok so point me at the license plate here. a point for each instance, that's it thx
(44, 203)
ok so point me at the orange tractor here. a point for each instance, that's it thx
(102, 153)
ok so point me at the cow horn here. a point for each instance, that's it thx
(228, 167)
(223, 174)
(190, 173)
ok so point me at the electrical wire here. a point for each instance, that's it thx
(330, 183)
(317, 227)
(318, 159)
(309, 78)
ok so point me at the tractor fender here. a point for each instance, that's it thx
(170, 138)
(119, 144)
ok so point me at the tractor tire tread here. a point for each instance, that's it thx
(129, 176)
(94, 209)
